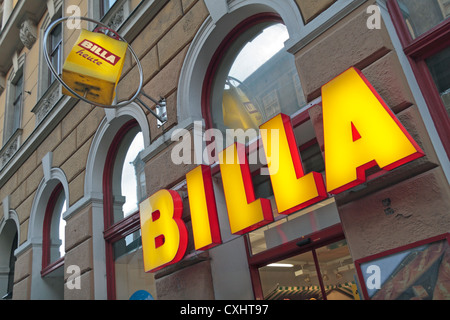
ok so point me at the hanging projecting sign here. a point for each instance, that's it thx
(93, 66)
(360, 131)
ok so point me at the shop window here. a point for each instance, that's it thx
(438, 66)
(105, 5)
(421, 16)
(423, 29)
(417, 271)
(53, 240)
(55, 53)
(14, 111)
(8, 244)
(124, 189)
(322, 273)
(252, 77)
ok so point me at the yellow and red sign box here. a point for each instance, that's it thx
(93, 66)
(360, 131)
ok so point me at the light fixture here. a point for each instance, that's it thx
(282, 265)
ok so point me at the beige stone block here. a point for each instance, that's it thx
(311, 9)
(77, 162)
(86, 290)
(163, 172)
(34, 179)
(76, 188)
(22, 289)
(89, 125)
(127, 86)
(49, 143)
(78, 228)
(187, 4)
(347, 44)
(23, 266)
(65, 149)
(81, 256)
(24, 209)
(74, 117)
(166, 81)
(24, 231)
(387, 77)
(191, 283)
(182, 33)
(165, 19)
(417, 209)
(27, 167)
(18, 195)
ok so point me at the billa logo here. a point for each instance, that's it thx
(360, 131)
(97, 50)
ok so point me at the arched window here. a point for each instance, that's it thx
(8, 244)
(53, 235)
(124, 188)
(252, 77)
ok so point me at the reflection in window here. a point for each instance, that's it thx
(297, 277)
(256, 80)
(421, 16)
(440, 71)
(128, 176)
(57, 229)
(129, 268)
(105, 5)
(55, 52)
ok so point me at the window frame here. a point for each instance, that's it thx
(103, 8)
(126, 226)
(56, 49)
(314, 241)
(14, 105)
(386, 253)
(218, 55)
(48, 266)
(417, 50)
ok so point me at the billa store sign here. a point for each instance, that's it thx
(360, 131)
(93, 66)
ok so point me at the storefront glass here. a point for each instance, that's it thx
(421, 16)
(256, 80)
(129, 176)
(440, 71)
(131, 280)
(324, 273)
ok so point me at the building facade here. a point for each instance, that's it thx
(73, 175)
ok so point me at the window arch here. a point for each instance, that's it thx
(123, 189)
(53, 234)
(9, 240)
(47, 281)
(251, 77)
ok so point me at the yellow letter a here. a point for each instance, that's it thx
(360, 131)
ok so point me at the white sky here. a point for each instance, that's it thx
(257, 52)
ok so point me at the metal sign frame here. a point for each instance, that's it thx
(161, 113)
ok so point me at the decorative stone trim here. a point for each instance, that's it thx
(47, 101)
(10, 148)
(115, 17)
(28, 33)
